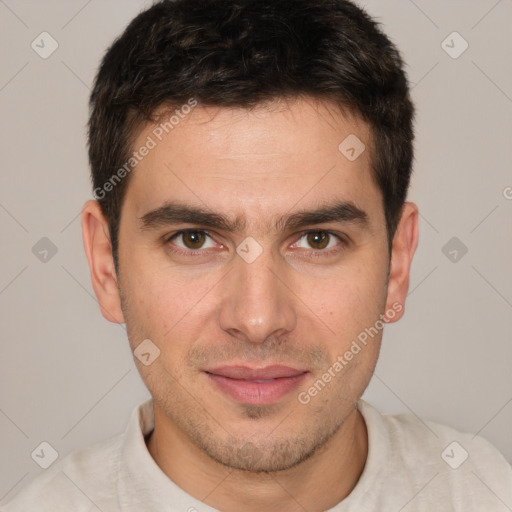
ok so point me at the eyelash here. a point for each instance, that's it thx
(317, 252)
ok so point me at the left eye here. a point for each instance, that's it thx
(318, 240)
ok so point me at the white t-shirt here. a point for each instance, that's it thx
(411, 466)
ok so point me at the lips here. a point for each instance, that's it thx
(246, 373)
(256, 386)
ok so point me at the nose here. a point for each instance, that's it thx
(255, 303)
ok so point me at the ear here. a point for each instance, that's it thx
(405, 242)
(98, 250)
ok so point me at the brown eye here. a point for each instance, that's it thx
(320, 242)
(193, 239)
(318, 239)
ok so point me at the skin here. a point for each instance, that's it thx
(296, 304)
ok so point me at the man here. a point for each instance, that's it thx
(250, 162)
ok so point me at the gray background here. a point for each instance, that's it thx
(67, 375)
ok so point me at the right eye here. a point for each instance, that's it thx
(191, 241)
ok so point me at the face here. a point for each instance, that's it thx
(253, 255)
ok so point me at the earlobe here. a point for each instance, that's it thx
(405, 242)
(98, 249)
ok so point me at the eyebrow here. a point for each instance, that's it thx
(171, 213)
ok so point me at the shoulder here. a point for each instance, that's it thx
(424, 438)
(83, 480)
(438, 462)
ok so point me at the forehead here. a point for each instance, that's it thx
(261, 161)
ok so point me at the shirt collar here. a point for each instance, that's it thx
(142, 485)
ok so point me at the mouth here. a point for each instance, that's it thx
(256, 386)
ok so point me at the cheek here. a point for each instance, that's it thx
(160, 310)
(170, 307)
(349, 300)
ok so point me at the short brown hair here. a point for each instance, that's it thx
(240, 53)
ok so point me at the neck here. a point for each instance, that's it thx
(318, 483)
